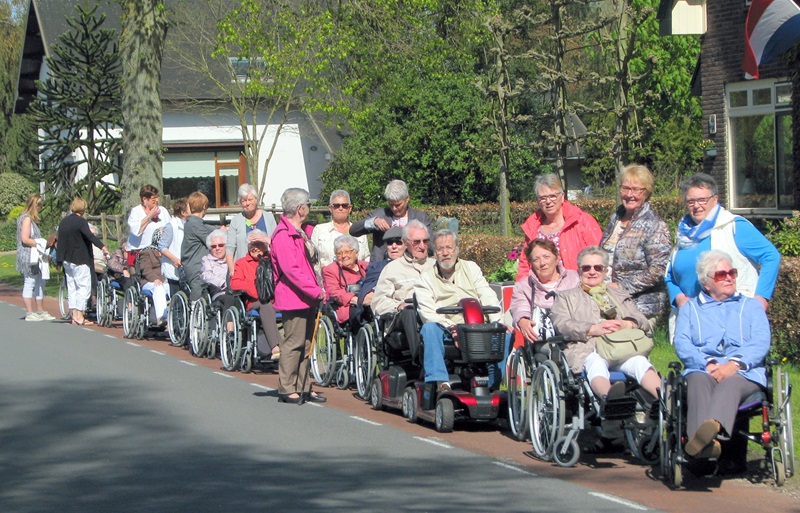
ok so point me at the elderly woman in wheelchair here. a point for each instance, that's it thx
(722, 338)
(589, 318)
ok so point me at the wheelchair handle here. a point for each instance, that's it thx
(676, 366)
(452, 310)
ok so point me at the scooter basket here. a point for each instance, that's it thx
(481, 343)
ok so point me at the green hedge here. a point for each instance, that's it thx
(782, 312)
(8, 236)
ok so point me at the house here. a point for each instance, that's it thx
(204, 147)
(749, 121)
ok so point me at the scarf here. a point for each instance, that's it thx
(600, 295)
(689, 233)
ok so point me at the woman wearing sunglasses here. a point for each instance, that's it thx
(722, 338)
(325, 233)
(584, 314)
(707, 225)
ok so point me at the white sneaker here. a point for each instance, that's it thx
(32, 317)
(45, 316)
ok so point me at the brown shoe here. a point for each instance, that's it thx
(710, 451)
(705, 434)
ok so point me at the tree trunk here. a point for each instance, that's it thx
(144, 29)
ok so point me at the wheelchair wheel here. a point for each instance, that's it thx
(198, 327)
(410, 405)
(445, 415)
(230, 344)
(342, 377)
(102, 303)
(130, 314)
(376, 394)
(214, 336)
(518, 380)
(546, 410)
(671, 426)
(247, 362)
(323, 355)
(63, 304)
(365, 360)
(783, 453)
(566, 452)
(178, 319)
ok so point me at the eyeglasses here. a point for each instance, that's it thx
(698, 201)
(393, 242)
(549, 197)
(631, 190)
(345, 252)
(215, 246)
(722, 275)
(597, 267)
(417, 242)
(308, 204)
(340, 205)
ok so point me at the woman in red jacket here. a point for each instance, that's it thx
(244, 279)
(342, 278)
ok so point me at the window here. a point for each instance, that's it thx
(217, 174)
(244, 68)
(760, 124)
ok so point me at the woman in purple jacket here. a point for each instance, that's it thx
(297, 295)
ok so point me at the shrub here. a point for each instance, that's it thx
(15, 212)
(490, 252)
(8, 236)
(782, 311)
(786, 235)
(14, 190)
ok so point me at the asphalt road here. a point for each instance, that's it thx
(91, 422)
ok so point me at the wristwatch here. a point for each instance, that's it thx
(741, 364)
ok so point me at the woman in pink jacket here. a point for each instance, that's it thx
(570, 228)
(297, 295)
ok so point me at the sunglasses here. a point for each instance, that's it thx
(417, 242)
(597, 267)
(721, 275)
(393, 242)
(340, 205)
(215, 246)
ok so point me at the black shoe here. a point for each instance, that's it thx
(313, 397)
(284, 398)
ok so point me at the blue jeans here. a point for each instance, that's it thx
(434, 335)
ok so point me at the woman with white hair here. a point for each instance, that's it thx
(381, 219)
(722, 337)
(214, 268)
(342, 278)
(325, 233)
(297, 295)
(250, 218)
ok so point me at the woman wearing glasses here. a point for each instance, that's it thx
(709, 226)
(722, 338)
(568, 227)
(342, 278)
(325, 233)
(637, 242)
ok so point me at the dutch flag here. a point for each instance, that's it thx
(773, 26)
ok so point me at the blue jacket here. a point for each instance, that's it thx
(734, 329)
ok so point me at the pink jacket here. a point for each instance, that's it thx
(335, 288)
(580, 230)
(529, 292)
(296, 286)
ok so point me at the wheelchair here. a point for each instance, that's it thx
(333, 351)
(110, 297)
(469, 396)
(239, 340)
(561, 404)
(63, 297)
(178, 314)
(369, 359)
(772, 405)
(138, 314)
(205, 327)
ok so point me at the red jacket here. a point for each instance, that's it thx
(335, 288)
(580, 230)
(244, 279)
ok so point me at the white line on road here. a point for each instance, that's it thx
(134, 344)
(262, 387)
(512, 467)
(222, 374)
(317, 405)
(157, 352)
(188, 363)
(361, 419)
(433, 441)
(109, 336)
(624, 502)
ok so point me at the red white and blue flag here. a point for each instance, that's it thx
(773, 26)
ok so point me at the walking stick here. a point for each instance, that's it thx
(308, 357)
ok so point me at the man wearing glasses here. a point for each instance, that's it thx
(396, 281)
(381, 219)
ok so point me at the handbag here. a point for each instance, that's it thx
(623, 344)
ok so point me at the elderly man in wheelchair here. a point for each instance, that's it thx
(722, 339)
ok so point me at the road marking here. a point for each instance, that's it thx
(317, 405)
(262, 387)
(134, 344)
(157, 352)
(188, 363)
(361, 419)
(109, 336)
(433, 441)
(512, 467)
(624, 502)
(222, 374)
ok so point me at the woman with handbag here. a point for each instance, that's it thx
(592, 314)
(31, 262)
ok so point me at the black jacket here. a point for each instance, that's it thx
(75, 241)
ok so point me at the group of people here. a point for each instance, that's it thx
(574, 278)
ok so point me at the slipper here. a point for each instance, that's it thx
(84, 323)
(617, 390)
(705, 434)
(603, 445)
(711, 451)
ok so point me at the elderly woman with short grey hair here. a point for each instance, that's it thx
(722, 337)
(214, 268)
(342, 279)
(250, 218)
(324, 234)
(297, 296)
(557, 220)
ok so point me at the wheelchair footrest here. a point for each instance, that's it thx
(619, 408)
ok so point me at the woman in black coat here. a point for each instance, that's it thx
(75, 241)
